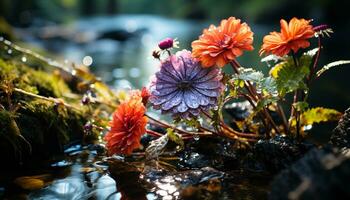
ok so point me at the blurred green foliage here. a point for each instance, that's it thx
(19, 11)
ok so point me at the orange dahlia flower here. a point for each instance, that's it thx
(127, 127)
(222, 44)
(293, 36)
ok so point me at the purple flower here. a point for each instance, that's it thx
(167, 43)
(182, 87)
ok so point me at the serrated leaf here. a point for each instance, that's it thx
(249, 74)
(274, 70)
(290, 77)
(331, 65)
(156, 147)
(319, 114)
(267, 85)
(264, 102)
(173, 136)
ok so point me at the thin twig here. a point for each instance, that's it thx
(51, 99)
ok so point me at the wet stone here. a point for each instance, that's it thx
(276, 153)
(321, 174)
(341, 134)
(209, 152)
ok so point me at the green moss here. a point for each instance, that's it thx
(45, 125)
(32, 80)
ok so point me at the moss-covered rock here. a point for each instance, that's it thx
(36, 128)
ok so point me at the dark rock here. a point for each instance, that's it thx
(121, 35)
(239, 110)
(341, 134)
(127, 176)
(276, 153)
(218, 153)
(320, 174)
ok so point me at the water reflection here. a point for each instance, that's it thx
(117, 48)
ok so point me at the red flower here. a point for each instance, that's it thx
(167, 43)
(127, 127)
(293, 36)
(143, 94)
(220, 45)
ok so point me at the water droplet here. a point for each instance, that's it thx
(74, 72)
(87, 60)
(24, 59)
(9, 51)
(196, 137)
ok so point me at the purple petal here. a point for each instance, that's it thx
(176, 100)
(208, 85)
(165, 77)
(182, 107)
(200, 74)
(165, 91)
(213, 74)
(202, 99)
(167, 68)
(190, 99)
(194, 112)
(172, 66)
(160, 100)
(209, 93)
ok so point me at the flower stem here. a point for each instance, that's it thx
(153, 133)
(227, 128)
(54, 100)
(294, 111)
(252, 91)
(166, 125)
(314, 66)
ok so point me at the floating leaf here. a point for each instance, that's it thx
(319, 114)
(156, 147)
(332, 64)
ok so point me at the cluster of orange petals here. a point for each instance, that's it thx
(293, 36)
(222, 44)
(127, 127)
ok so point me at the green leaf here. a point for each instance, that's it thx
(319, 114)
(265, 101)
(249, 74)
(173, 136)
(291, 77)
(301, 106)
(264, 84)
(332, 64)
